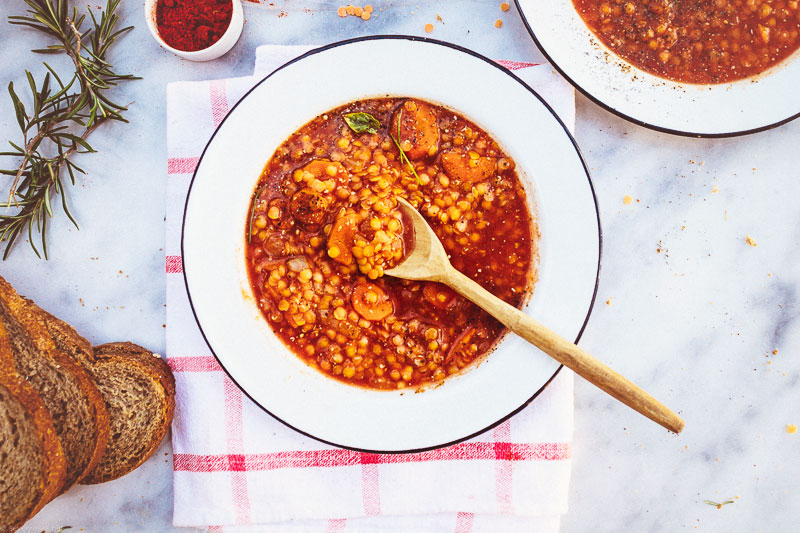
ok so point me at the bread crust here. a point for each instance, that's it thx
(74, 344)
(55, 464)
(31, 318)
(157, 370)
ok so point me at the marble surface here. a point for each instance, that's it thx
(689, 310)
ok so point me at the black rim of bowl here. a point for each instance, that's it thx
(502, 69)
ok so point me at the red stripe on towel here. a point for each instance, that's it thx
(174, 264)
(515, 65)
(336, 525)
(464, 522)
(219, 101)
(194, 364)
(235, 446)
(466, 451)
(370, 488)
(182, 165)
(503, 468)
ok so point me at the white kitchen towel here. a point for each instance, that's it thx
(237, 468)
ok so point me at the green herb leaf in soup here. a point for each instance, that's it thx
(362, 122)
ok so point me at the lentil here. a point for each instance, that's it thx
(364, 13)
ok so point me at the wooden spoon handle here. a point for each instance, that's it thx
(565, 352)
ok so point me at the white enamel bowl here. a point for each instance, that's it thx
(559, 190)
(720, 110)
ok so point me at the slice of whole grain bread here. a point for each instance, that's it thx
(139, 389)
(74, 401)
(32, 465)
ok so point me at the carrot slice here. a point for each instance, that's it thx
(341, 237)
(371, 302)
(459, 165)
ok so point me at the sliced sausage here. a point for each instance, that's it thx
(308, 207)
(416, 123)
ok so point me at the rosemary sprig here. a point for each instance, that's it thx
(403, 156)
(62, 116)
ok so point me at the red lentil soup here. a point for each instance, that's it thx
(324, 226)
(697, 41)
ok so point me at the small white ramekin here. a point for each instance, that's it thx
(214, 51)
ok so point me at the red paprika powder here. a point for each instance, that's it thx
(191, 25)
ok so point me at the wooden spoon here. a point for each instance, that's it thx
(428, 261)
